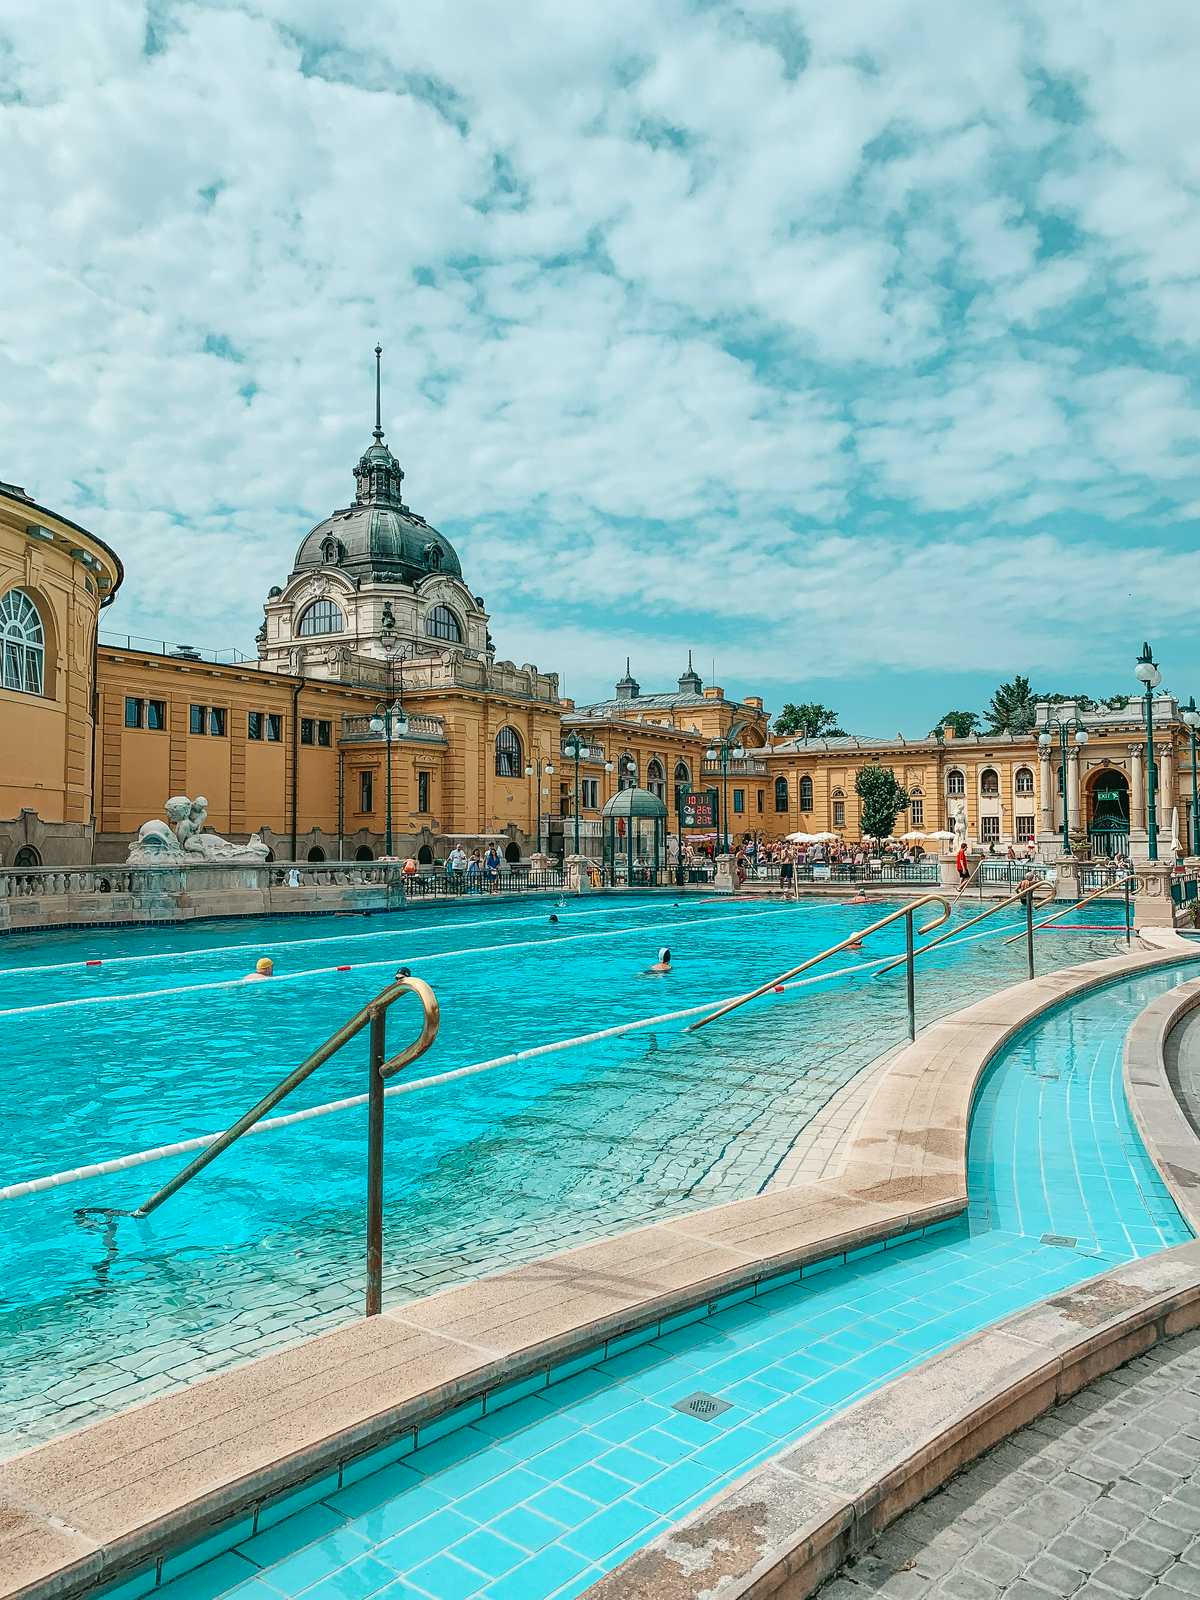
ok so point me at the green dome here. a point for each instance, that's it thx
(635, 803)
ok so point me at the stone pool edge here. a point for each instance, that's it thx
(102, 1503)
(791, 1524)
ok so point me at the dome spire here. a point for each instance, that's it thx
(378, 424)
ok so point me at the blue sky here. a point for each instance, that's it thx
(853, 347)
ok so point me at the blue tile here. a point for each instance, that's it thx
(610, 1528)
(735, 1297)
(212, 1581)
(814, 1268)
(399, 1511)
(489, 1553)
(317, 1561)
(672, 1487)
(564, 1505)
(440, 1427)
(355, 1582)
(542, 1574)
(632, 1340)
(510, 1393)
(131, 1587)
(423, 1540)
(596, 1484)
(281, 1506)
(219, 1539)
(385, 1455)
(297, 1532)
(574, 1364)
(562, 1458)
(665, 1447)
(492, 1499)
(447, 1579)
(683, 1319)
(448, 1452)
(526, 1528)
(374, 1490)
(629, 1464)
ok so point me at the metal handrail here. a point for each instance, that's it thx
(844, 944)
(954, 933)
(1130, 880)
(381, 1068)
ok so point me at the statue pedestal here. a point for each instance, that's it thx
(576, 877)
(723, 881)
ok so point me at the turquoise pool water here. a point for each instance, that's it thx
(542, 1497)
(162, 1042)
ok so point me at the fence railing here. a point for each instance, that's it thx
(1012, 872)
(512, 879)
(181, 652)
(357, 727)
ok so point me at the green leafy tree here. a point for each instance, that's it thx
(1013, 707)
(883, 799)
(962, 723)
(810, 720)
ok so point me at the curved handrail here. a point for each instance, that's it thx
(1131, 880)
(844, 944)
(373, 1012)
(954, 933)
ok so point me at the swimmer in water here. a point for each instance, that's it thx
(264, 967)
(553, 918)
(663, 964)
(403, 972)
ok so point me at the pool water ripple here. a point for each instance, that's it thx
(544, 1496)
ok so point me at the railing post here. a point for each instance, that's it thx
(1128, 913)
(910, 975)
(375, 1105)
(1029, 929)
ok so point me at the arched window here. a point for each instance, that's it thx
(425, 856)
(683, 781)
(806, 793)
(989, 782)
(512, 851)
(316, 853)
(27, 856)
(656, 778)
(321, 617)
(1024, 781)
(364, 853)
(24, 643)
(627, 773)
(956, 785)
(441, 623)
(781, 794)
(509, 762)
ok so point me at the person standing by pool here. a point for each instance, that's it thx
(787, 873)
(474, 870)
(456, 862)
(960, 863)
(491, 866)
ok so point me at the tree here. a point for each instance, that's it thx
(810, 720)
(1013, 707)
(883, 799)
(962, 723)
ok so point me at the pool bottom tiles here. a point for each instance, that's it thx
(544, 1496)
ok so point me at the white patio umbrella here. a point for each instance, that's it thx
(802, 837)
(940, 833)
(915, 833)
(822, 838)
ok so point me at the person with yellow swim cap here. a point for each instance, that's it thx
(264, 967)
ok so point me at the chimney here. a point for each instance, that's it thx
(754, 701)
(714, 692)
(948, 730)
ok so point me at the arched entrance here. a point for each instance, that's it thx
(1108, 812)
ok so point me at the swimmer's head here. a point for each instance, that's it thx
(265, 967)
(664, 955)
(404, 972)
(553, 918)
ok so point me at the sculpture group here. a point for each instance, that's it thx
(182, 839)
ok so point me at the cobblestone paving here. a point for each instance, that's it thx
(1099, 1500)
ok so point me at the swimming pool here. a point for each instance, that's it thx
(539, 1500)
(162, 1042)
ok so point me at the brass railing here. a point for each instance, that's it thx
(844, 944)
(1027, 896)
(380, 1069)
(1130, 883)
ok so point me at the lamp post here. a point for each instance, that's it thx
(1064, 725)
(537, 766)
(391, 721)
(1191, 718)
(573, 748)
(1150, 677)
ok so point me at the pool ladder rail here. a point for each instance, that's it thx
(1129, 884)
(1027, 897)
(381, 1068)
(852, 939)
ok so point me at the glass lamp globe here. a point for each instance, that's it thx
(1081, 736)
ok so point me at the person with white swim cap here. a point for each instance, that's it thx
(663, 964)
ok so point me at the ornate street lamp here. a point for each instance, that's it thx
(1191, 718)
(1064, 726)
(1147, 674)
(391, 721)
(538, 766)
(573, 748)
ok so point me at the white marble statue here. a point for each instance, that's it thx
(158, 845)
(958, 820)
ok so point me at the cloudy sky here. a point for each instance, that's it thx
(853, 346)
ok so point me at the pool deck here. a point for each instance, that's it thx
(109, 1499)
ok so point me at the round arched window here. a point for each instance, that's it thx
(956, 784)
(27, 856)
(509, 763)
(441, 623)
(321, 617)
(316, 853)
(23, 641)
(989, 782)
(656, 778)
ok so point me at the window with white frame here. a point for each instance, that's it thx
(989, 829)
(24, 644)
(1023, 783)
(916, 811)
(839, 813)
(989, 783)
(956, 784)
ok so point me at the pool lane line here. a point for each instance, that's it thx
(201, 1141)
(334, 938)
(362, 966)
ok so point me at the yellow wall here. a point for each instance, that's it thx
(46, 739)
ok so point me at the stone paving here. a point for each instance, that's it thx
(1098, 1500)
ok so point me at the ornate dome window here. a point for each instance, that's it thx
(433, 557)
(331, 550)
(23, 641)
(320, 617)
(441, 623)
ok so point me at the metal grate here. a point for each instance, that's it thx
(1063, 1240)
(704, 1406)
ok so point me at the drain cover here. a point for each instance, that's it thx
(1064, 1240)
(704, 1406)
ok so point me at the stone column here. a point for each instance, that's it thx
(1046, 791)
(1073, 790)
(1137, 793)
(1166, 786)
